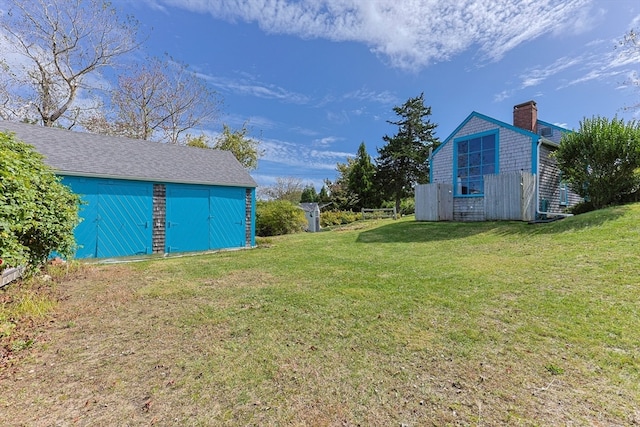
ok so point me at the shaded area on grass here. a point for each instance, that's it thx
(415, 231)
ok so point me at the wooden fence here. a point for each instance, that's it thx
(434, 202)
(509, 197)
(380, 213)
(9, 275)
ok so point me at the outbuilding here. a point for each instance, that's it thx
(140, 197)
(312, 213)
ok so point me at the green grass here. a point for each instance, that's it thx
(381, 323)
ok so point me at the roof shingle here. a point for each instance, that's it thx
(92, 155)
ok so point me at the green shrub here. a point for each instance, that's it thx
(277, 217)
(37, 212)
(407, 206)
(601, 162)
(329, 218)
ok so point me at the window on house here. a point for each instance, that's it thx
(476, 156)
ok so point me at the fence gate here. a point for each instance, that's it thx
(434, 202)
(509, 196)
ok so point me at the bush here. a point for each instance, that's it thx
(601, 162)
(37, 213)
(407, 206)
(329, 218)
(277, 217)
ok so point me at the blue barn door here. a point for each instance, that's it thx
(227, 226)
(123, 221)
(86, 234)
(187, 218)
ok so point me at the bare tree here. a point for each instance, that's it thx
(54, 45)
(288, 188)
(158, 100)
(630, 49)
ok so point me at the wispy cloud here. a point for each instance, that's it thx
(325, 142)
(536, 76)
(407, 34)
(604, 60)
(363, 94)
(289, 154)
(246, 85)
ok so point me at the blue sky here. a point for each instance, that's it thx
(315, 78)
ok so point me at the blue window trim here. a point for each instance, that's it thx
(495, 132)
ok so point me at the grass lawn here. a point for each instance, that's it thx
(384, 323)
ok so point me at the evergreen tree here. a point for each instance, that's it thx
(323, 196)
(341, 197)
(361, 179)
(309, 195)
(403, 161)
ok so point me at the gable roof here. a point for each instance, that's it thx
(309, 207)
(535, 137)
(92, 155)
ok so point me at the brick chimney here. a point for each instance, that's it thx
(525, 116)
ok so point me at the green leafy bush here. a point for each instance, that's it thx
(37, 212)
(277, 217)
(407, 206)
(601, 161)
(329, 218)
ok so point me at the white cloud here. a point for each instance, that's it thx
(384, 97)
(536, 76)
(292, 154)
(408, 34)
(246, 85)
(325, 142)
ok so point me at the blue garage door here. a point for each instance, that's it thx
(227, 227)
(203, 218)
(124, 219)
(116, 217)
(187, 218)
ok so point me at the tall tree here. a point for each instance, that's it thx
(55, 45)
(342, 198)
(630, 45)
(403, 161)
(361, 179)
(309, 195)
(323, 196)
(246, 149)
(289, 188)
(159, 100)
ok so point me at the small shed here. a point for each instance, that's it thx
(142, 197)
(312, 213)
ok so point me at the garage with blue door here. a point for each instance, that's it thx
(141, 197)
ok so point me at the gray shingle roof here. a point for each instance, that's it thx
(86, 154)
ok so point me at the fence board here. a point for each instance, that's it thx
(508, 196)
(434, 202)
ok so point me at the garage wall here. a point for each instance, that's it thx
(121, 218)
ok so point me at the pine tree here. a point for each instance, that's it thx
(403, 161)
(361, 179)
